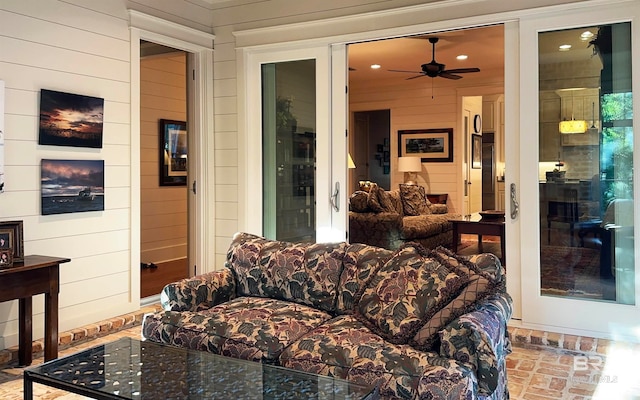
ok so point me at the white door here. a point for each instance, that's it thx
(295, 190)
(578, 108)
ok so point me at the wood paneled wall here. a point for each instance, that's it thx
(163, 209)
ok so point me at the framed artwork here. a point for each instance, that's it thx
(432, 145)
(12, 240)
(70, 186)
(173, 153)
(6, 258)
(476, 151)
(68, 119)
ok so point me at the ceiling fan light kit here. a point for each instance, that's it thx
(434, 69)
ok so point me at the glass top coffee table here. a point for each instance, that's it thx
(133, 369)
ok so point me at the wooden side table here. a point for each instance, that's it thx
(437, 198)
(37, 274)
(477, 226)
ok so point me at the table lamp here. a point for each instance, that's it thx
(409, 165)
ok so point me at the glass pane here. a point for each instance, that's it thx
(289, 150)
(586, 163)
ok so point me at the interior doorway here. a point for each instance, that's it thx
(371, 148)
(164, 153)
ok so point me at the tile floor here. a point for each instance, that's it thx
(540, 367)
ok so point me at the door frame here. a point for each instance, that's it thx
(199, 47)
(566, 315)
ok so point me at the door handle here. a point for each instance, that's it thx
(333, 199)
(515, 206)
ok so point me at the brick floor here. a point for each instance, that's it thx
(542, 366)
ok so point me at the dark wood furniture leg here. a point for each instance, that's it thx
(25, 329)
(51, 315)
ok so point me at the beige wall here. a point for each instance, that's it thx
(163, 209)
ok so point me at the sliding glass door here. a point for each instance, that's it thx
(585, 271)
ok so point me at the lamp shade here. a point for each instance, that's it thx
(409, 164)
(573, 126)
(350, 163)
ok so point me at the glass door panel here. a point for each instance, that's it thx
(289, 150)
(586, 163)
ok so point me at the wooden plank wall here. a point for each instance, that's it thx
(163, 209)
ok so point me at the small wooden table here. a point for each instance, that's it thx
(474, 224)
(37, 274)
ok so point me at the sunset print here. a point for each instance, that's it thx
(70, 120)
(70, 186)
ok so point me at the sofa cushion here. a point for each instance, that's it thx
(305, 273)
(421, 226)
(249, 328)
(481, 285)
(379, 200)
(343, 347)
(360, 261)
(358, 201)
(414, 200)
(405, 293)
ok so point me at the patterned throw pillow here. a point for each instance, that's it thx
(414, 200)
(405, 293)
(379, 200)
(481, 285)
(358, 201)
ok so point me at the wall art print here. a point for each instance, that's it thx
(70, 186)
(1, 136)
(432, 145)
(70, 119)
(173, 153)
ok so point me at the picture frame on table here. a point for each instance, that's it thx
(11, 239)
(431, 145)
(476, 151)
(6, 258)
(173, 153)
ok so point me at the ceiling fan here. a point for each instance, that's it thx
(434, 69)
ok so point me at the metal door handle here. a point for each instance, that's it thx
(333, 199)
(515, 207)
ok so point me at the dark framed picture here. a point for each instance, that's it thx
(12, 240)
(68, 119)
(432, 145)
(71, 186)
(476, 151)
(173, 153)
(6, 258)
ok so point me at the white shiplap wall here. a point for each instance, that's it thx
(65, 47)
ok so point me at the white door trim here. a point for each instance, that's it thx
(200, 44)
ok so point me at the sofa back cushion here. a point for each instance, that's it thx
(305, 273)
(358, 201)
(405, 293)
(360, 262)
(414, 200)
(379, 200)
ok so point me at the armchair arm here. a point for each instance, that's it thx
(376, 229)
(480, 339)
(200, 292)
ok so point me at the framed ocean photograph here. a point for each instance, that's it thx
(71, 186)
(68, 119)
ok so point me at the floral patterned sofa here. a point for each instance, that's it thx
(417, 324)
(388, 219)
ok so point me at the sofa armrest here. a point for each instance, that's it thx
(376, 229)
(200, 292)
(480, 339)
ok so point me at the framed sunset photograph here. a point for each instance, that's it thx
(68, 119)
(70, 186)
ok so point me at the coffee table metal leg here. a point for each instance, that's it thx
(27, 387)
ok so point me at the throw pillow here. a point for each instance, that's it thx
(358, 201)
(405, 293)
(379, 200)
(414, 200)
(480, 286)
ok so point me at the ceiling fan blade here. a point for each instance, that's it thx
(462, 70)
(417, 76)
(401, 70)
(446, 74)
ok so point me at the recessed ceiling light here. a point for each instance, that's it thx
(462, 57)
(375, 66)
(565, 47)
(586, 35)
